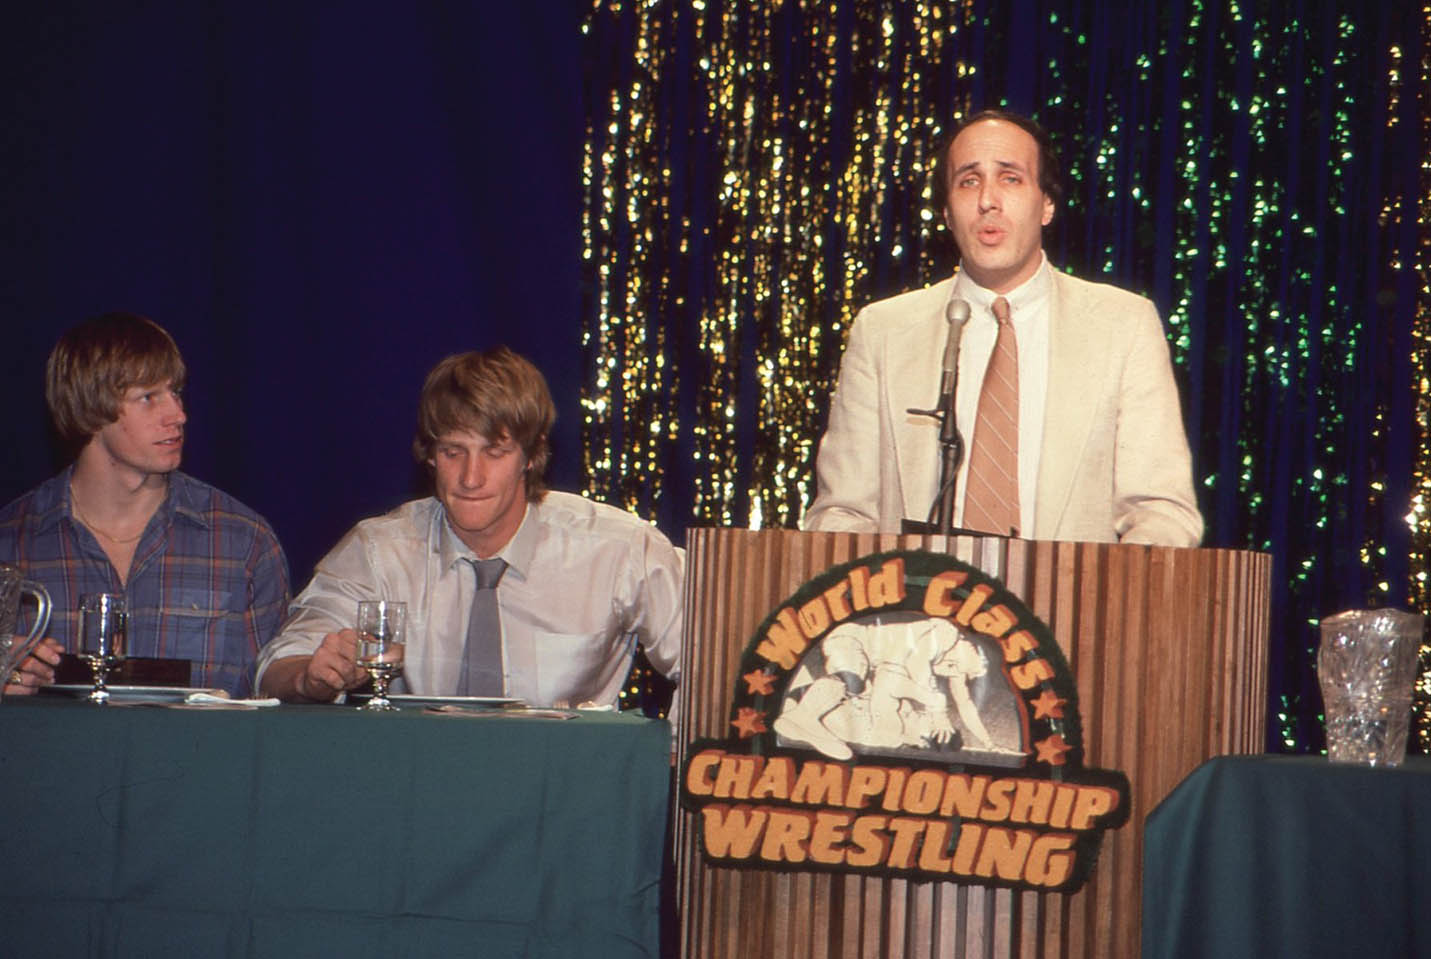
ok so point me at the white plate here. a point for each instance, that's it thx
(406, 699)
(131, 694)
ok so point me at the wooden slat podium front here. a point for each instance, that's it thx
(1169, 651)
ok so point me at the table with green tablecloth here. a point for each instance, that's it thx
(325, 831)
(1269, 856)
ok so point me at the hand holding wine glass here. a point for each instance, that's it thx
(103, 618)
(382, 637)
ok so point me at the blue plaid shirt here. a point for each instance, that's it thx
(209, 581)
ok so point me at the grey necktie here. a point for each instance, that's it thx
(482, 659)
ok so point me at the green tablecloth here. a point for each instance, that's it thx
(321, 831)
(1268, 856)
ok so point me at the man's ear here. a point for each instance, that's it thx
(1048, 209)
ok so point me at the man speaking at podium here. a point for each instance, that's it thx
(1065, 394)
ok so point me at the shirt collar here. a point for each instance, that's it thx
(521, 549)
(187, 499)
(52, 501)
(1022, 298)
(517, 553)
(184, 498)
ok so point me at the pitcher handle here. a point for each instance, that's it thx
(42, 616)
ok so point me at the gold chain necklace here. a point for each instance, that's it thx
(74, 501)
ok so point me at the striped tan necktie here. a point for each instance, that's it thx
(991, 501)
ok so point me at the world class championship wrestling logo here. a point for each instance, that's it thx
(905, 715)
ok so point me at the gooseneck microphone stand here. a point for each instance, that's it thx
(951, 456)
(951, 445)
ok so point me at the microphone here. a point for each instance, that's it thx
(956, 314)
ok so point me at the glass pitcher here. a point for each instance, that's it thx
(1366, 665)
(13, 648)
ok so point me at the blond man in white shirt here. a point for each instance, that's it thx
(582, 582)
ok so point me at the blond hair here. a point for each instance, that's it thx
(494, 393)
(96, 362)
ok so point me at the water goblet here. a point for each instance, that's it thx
(382, 635)
(103, 619)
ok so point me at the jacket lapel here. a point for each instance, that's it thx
(1077, 369)
(913, 354)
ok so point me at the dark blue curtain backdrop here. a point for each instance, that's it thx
(318, 199)
(321, 199)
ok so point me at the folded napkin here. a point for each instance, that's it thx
(210, 699)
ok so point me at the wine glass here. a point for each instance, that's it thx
(103, 619)
(382, 635)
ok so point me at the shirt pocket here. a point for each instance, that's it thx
(570, 667)
(193, 621)
(200, 602)
(203, 626)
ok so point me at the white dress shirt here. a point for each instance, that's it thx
(1029, 313)
(584, 583)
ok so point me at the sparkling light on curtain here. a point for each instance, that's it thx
(756, 171)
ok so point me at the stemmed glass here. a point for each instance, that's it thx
(382, 635)
(103, 619)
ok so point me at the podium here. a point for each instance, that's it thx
(1168, 648)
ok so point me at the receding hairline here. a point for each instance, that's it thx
(1032, 172)
(1001, 164)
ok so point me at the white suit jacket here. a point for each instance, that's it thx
(1114, 465)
